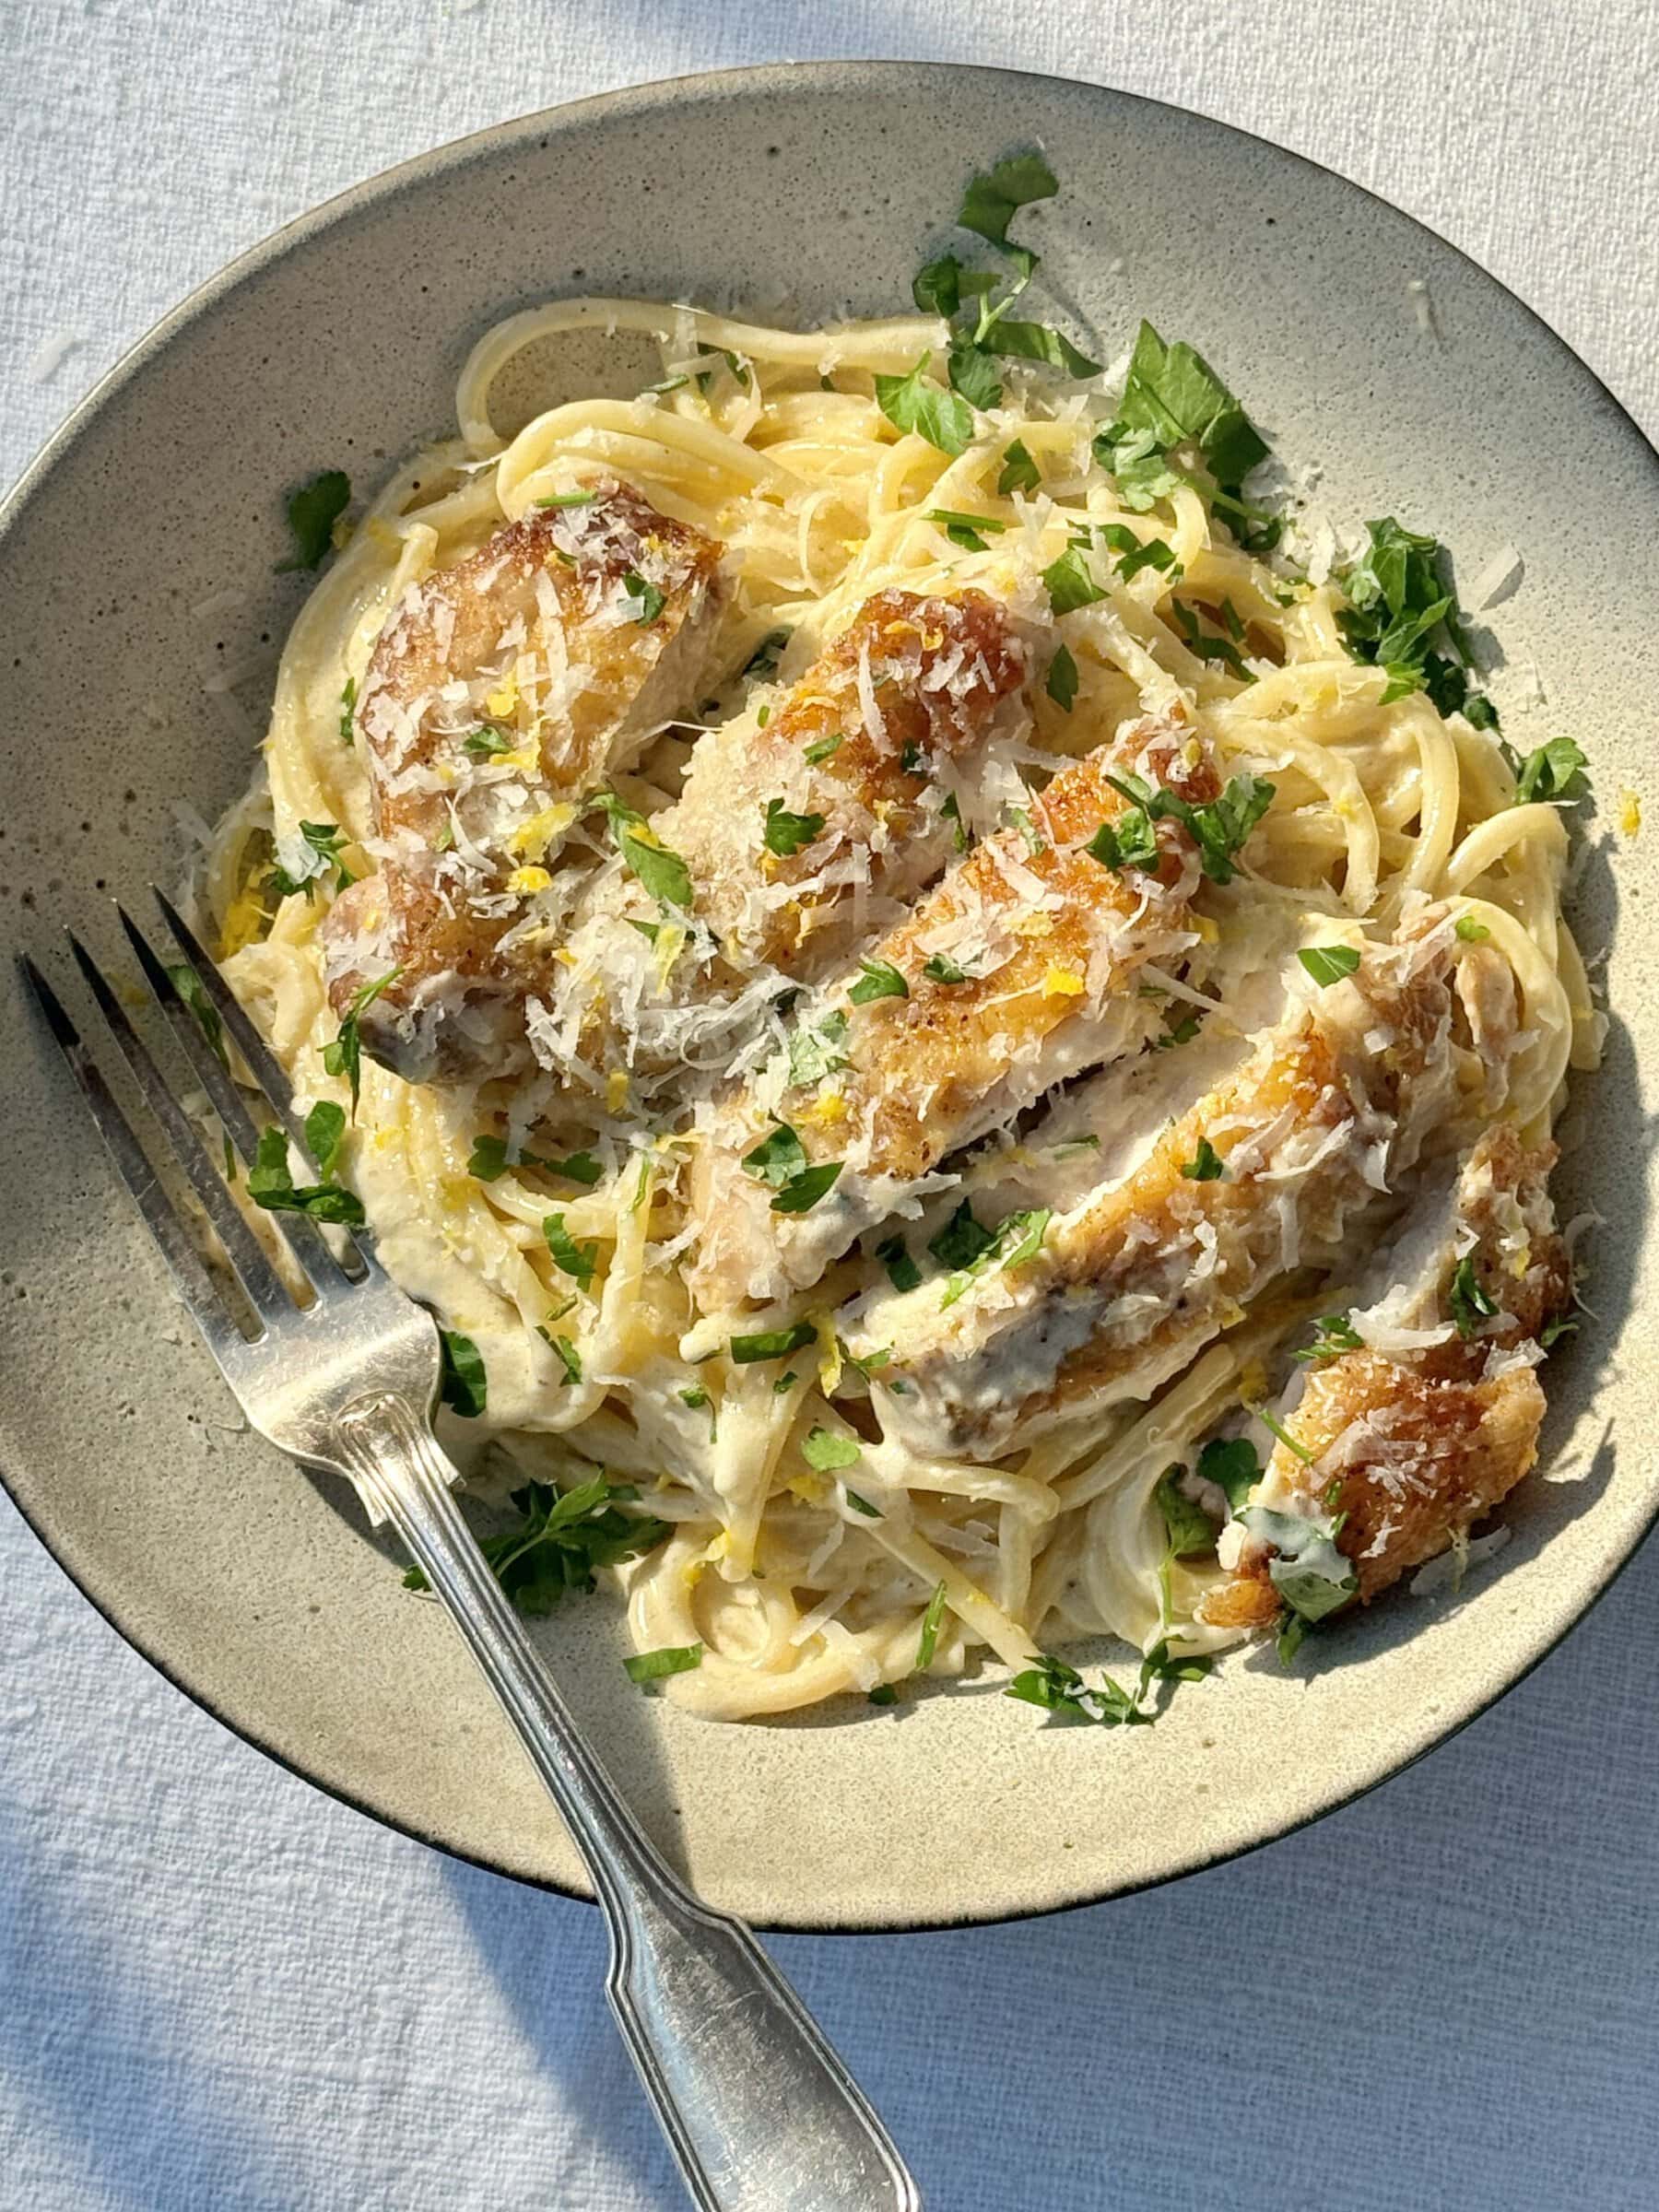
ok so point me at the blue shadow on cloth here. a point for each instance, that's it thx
(1352, 2018)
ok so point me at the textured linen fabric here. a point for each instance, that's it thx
(223, 1991)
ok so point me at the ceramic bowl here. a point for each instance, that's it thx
(1420, 387)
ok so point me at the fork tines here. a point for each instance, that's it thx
(203, 1046)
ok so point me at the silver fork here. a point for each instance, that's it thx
(759, 2112)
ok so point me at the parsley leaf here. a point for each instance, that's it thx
(779, 1156)
(1189, 1527)
(662, 874)
(193, 992)
(1069, 583)
(345, 1055)
(802, 1191)
(879, 979)
(901, 1270)
(928, 1643)
(941, 969)
(962, 1239)
(1233, 1466)
(564, 1350)
(821, 749)
(271, 1185)
(324, 1129)
(1308, 1571)
(1130, 841)
(1040, 342)
(974, 372)
(913, 402)
(488, 1161)
(826, 1449)
(1174, 396)
(644, 601)
(813, 1053)
(669, 1659)
(1334, 1334)
(1470, 1302)
(785, 832)
(970, 531)
(772, 1344)
(463, 1385)
(1553, 772)
(1205, 1165)
(564, 1538)
(486, 742)
(1327, 964)
(996, 195)
(348, 708)
(302, 861)
(1220, 828)
(577, 1260)
(1061, 681)
(1018, 471)
(312, 511)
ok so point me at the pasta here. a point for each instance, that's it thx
(807, 1535)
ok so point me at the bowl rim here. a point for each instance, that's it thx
(654, 96)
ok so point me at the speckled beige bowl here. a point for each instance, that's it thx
(805, 193)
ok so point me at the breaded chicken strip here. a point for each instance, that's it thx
(802, 821)
(1415, 1437)
(1018, 972)
(502, 691)
(1267, 1173)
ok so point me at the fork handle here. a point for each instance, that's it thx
(759, 2113)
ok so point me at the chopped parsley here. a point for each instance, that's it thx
(994, 197)
(574, 1259)
(802, 1191)
(972, 532)
(883, 1694)
(1555, 1328)
(662, 874)
(1397, 603)
(1553, 772)
(302, 861)
(1334, 1334)
(271, 1185)
(815, 1053)
(193, 994)
(1018, 471)
(1026, 827)
(463, 1385)
(1327, 964)
(942, 969)
(1136, 555)
(562, 1539)
(1220, 828)
(312, 511)
(914, 403)
(826, 1449)
(1472, 932)
(1470, 1302)
(564, 1350)
(325, 1131)
(785, 832)
(779, 1161)
(486, 742)
(772, 1344)
(1206, 648)
(861, 1505)
(928, 1643)
(901, 1270)
(669, 1659)
(823, 748)
(345, 1055)
(1056, 1688)
(1061, 681)
(489, 1160)
(1069, 582)
(586, 499)
(348, 693)
(962, 1239)
(879, 979)
(1231, 1464)
(1205, 1165)
(1129, 841)
(1308, 1571)
(1171, 396)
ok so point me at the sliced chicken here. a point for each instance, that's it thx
(1415, 1436)
(505, 690)
(1018, 970)
(802, 823)
(1270, 1173)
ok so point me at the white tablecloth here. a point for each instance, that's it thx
(222, 1991)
